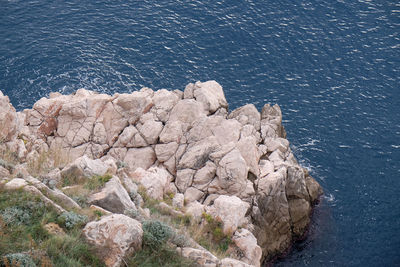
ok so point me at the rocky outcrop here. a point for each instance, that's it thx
(236, 166)
(113, 197)
(114, 237)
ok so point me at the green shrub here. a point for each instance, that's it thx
(121, 164)
(71, 250)
(155, 234)
(97, 181)
(71, 220)
(17, 259)
(16, 216)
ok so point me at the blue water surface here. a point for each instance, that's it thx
(333, 67)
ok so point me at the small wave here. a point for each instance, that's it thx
(329, 197)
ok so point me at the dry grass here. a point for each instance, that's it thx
(46, 161)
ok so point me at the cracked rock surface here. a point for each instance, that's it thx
(181, 142)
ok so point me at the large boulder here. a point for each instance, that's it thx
(271, 214)
(230, 210)
(155, 180)
(200, 257)
(8, 119)
(114, 237)
(250, 252)
(113, 197)
(209, 93)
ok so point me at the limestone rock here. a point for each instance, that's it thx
(247, 114)
(196, 154)
(4, 172)
(165, 151)
(91, 167)
(271, 214)
(8, 119)
(184, 179)
(232, 174)
(117, 235)
(164, 101)
(204, 176)
(201, 257)
(228, 262)
(130, 137)
(193, 194)
(150, 130)
(187, 111)
(247, 243)
(15, 184)
(178, 201)
(195, 209)
(113, 197)
(155, 180)
(140, 157)
(211, 95)
(314, 189)
(231, 210)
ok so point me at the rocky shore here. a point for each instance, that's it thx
(235, 167)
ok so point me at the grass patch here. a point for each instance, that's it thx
(156, 249)
(22, 220)
(46, 161)
(212, 236)
(97, 181)
(165, 256)
(208, 234)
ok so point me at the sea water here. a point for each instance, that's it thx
(333, 67)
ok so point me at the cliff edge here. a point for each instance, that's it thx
(235, 167)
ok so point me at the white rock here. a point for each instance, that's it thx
(113, 197)
(184, 179)
(165, 151)
(130, 137)
(247, 243)
(247, 114)
(201, 257)
(8, 119)
(231, 210)
(15, 183)
(178, 201)
(155, 180)
(232, 173)
(195, 209)
(204, 176)
(140, 157)
(114, 237)
(193, 194)
(164, 101)
(150, 130)
(211, 95)
(186, 111)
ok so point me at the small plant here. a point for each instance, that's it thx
(121, 164)
(16, 216)
(97, 181)
(17, 259)
(213, 232)
(7, 165)
(98, 214)
(156, 234)
(179, 240)
(71, 220)
(133, 213)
